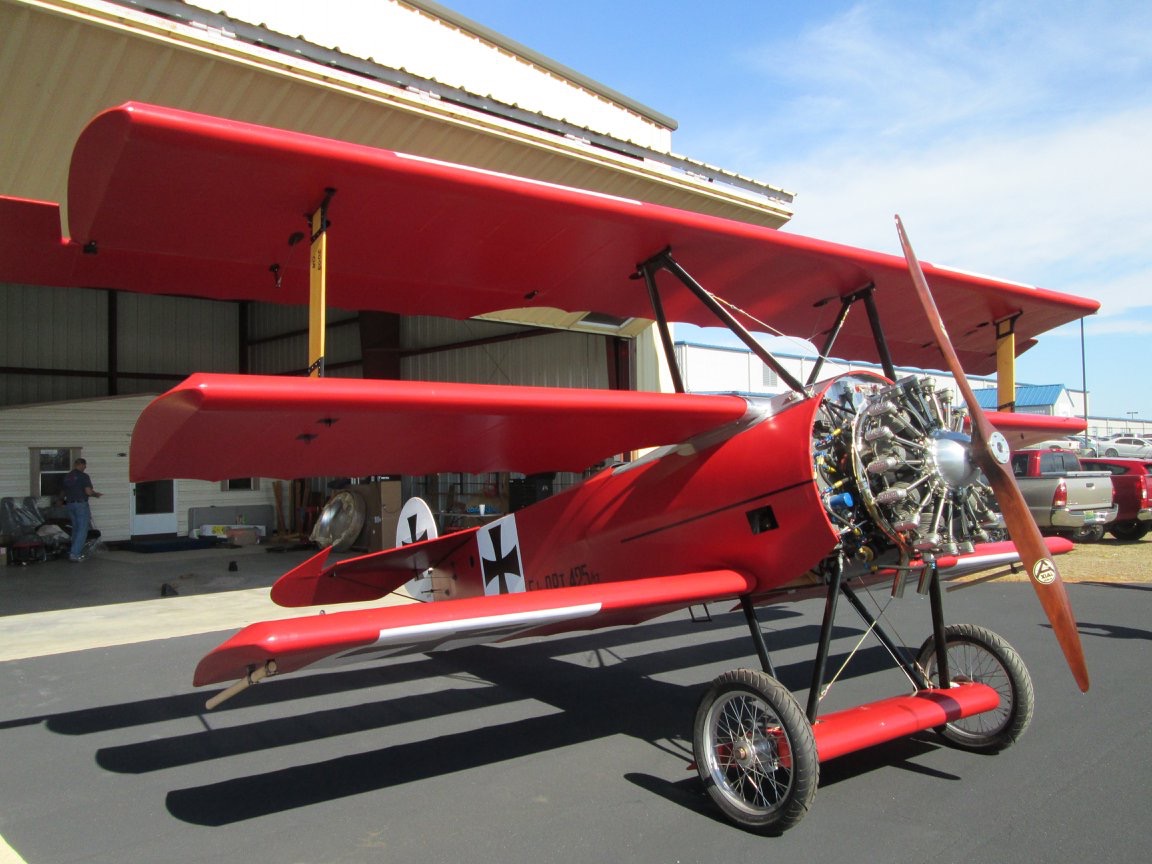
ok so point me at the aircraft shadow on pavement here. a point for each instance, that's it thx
(603, 697)
(533, 672)
(594, 704)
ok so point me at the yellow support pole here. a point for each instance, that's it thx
(318, 288)
(1006, 364)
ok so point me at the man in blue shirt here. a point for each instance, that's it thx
(77, 490)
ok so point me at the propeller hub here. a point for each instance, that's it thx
(949, 451)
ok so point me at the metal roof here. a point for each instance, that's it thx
(1027, 396)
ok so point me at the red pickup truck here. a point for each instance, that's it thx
(1132, 479)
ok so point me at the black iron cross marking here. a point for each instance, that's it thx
(505, 564)
(423, 535)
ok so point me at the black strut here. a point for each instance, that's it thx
(822, 646)
(757, 635)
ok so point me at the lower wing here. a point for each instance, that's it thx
(276, 647)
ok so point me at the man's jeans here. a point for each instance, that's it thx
(81, 517)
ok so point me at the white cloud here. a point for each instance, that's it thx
(1012, 137)
(1065, 209)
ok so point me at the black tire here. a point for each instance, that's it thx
(755, 752)
(1088, 534)
(1129, 531)
(978, 654)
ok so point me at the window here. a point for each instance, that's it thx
(49, 465)
(770, 378)
(240, 484)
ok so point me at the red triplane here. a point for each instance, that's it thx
(835, 484)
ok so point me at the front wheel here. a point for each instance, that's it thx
(978, 654)
(755, 751)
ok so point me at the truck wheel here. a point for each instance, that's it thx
(1088, 534)
(1129, 531)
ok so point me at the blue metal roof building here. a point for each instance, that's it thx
(1030, 398)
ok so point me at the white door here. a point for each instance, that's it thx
(153, 508)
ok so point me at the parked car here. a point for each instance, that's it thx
(1062, 496)
(1081, 445)
(1134, 448)
(1132, 480)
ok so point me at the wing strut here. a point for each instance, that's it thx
(649, 274)
(878, 336)
(663, 260)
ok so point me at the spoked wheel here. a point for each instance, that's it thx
(755, 751)
(978, 654)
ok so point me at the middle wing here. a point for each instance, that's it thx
(213, 427)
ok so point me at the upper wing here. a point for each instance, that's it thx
(172, 202)
(417, 627)
(216, 426)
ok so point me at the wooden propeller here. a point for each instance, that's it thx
(990, 452)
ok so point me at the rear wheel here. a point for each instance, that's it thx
(978, 654)
(1129, 530)
(1111, 452)
(755, 752)
(1088, 534)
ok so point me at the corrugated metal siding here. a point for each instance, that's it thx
(59, 328)
(281, 337)
(551, 359)
(162, 334)
(67, 330)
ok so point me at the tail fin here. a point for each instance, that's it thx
(417, 524)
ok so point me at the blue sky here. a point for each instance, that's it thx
(1014, 138)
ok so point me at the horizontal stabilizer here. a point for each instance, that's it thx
(422, 627)
(368, 577)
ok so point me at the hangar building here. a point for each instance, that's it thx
(77, 366)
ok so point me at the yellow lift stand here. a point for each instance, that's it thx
(1006, 363)
(318, 287)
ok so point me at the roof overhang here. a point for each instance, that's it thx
(64, 62)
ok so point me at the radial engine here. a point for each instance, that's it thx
(893, 464)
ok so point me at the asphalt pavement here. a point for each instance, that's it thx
(574, 748)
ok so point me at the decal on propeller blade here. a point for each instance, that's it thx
(1044, 572)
